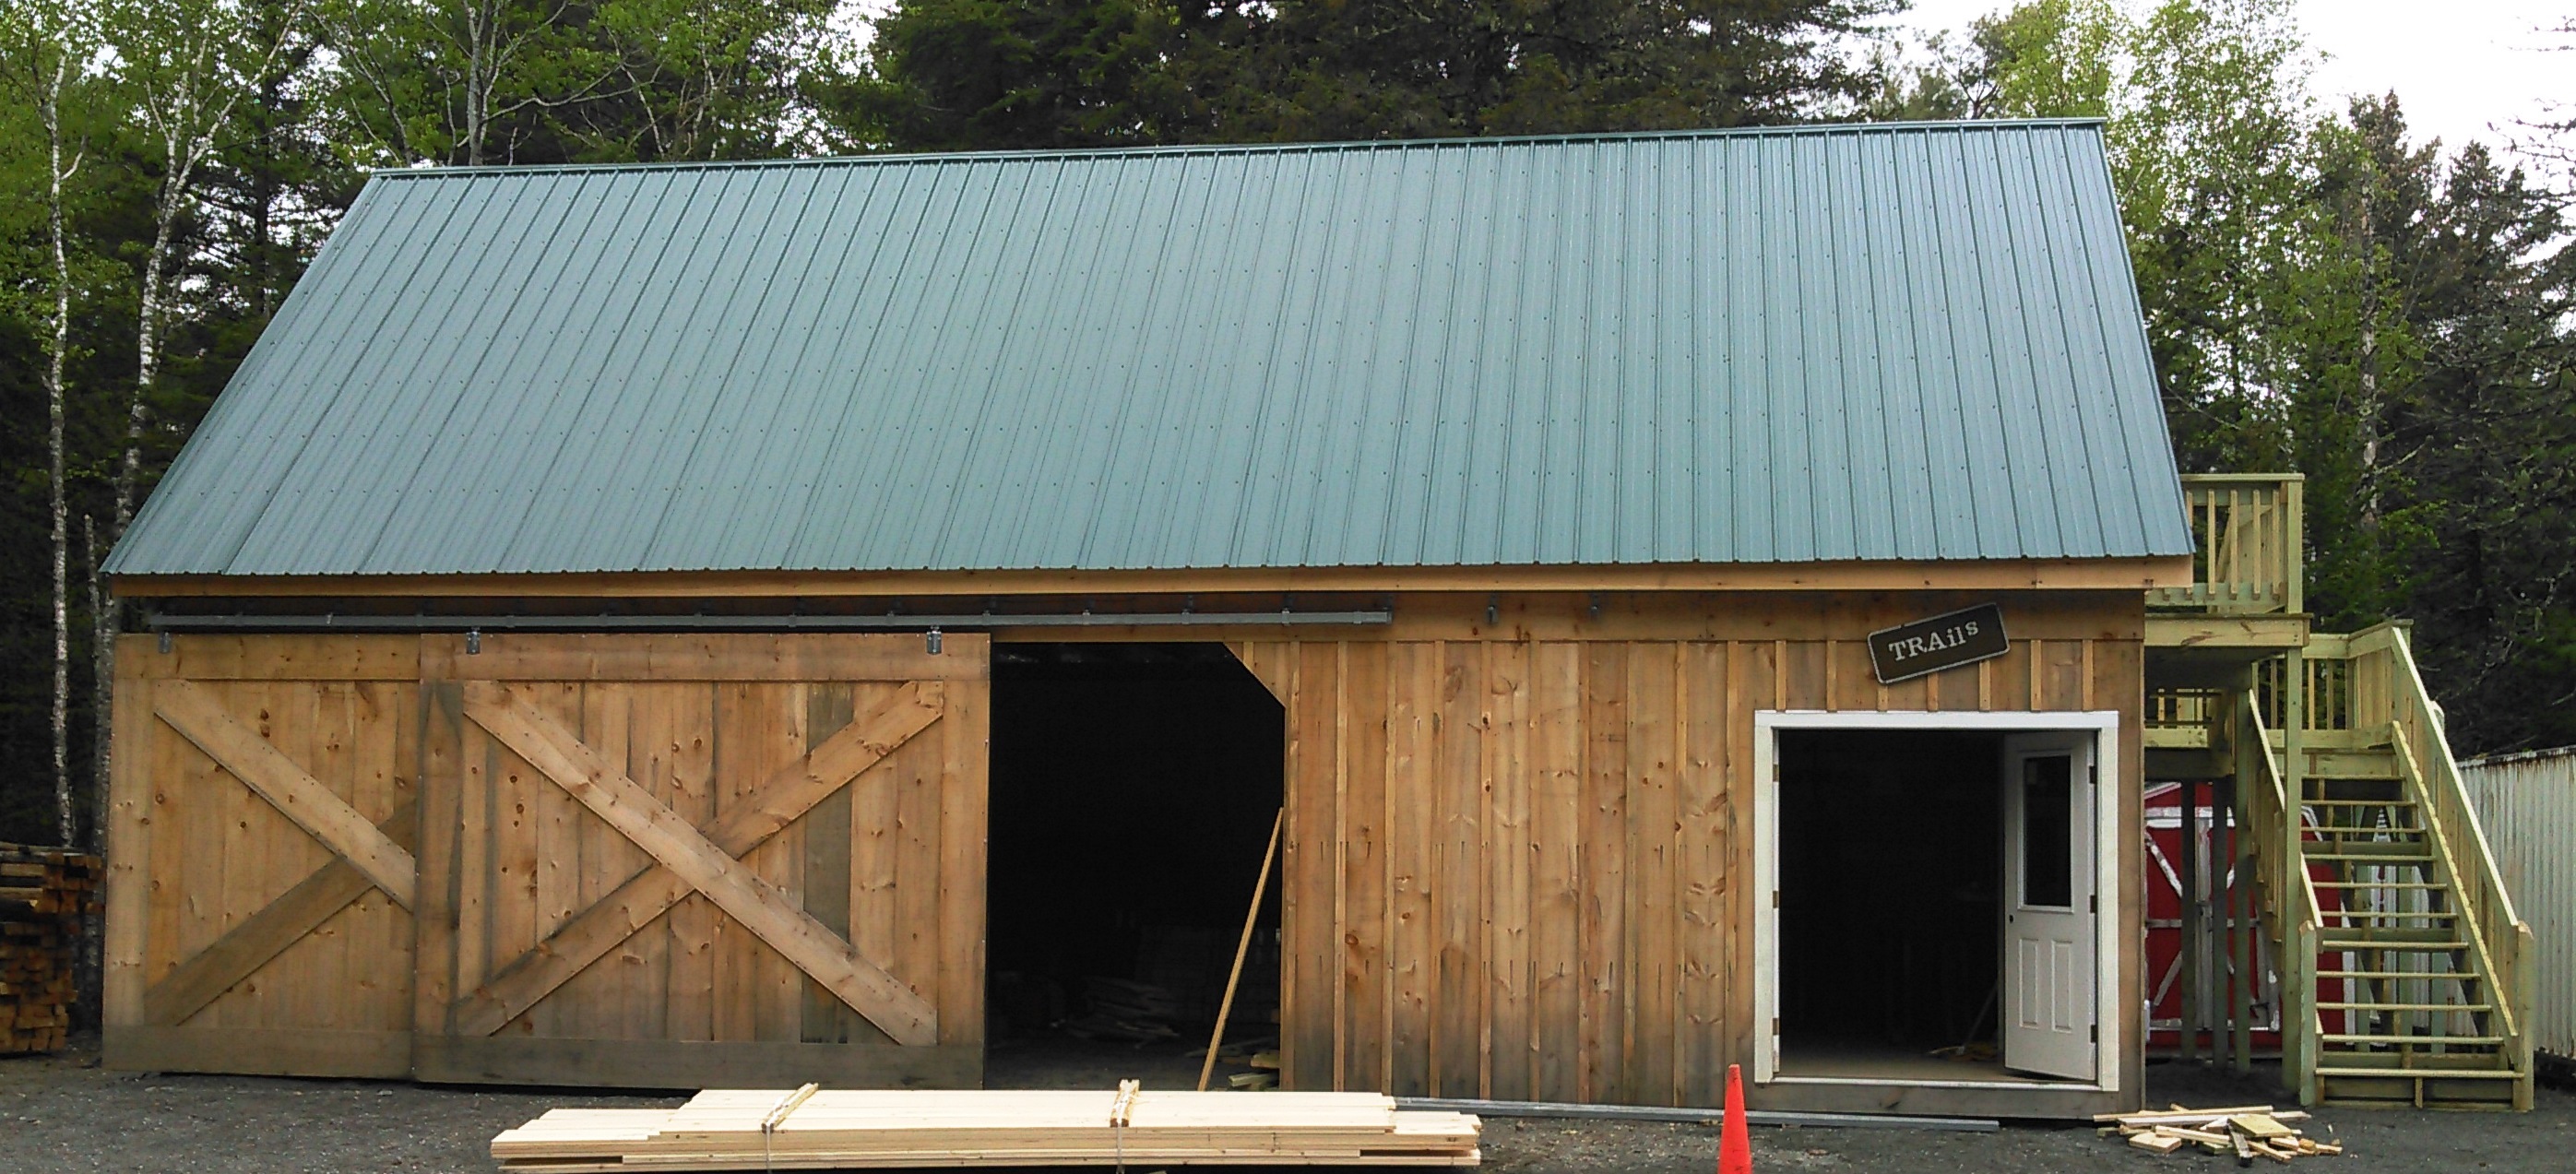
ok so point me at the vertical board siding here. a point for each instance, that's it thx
(1517, 868)
(889, 860)
(231, 946)
(242, 942)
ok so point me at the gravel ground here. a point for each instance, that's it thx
(62, 1113)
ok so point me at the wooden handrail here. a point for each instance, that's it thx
(2280, 806)
(2274, 819)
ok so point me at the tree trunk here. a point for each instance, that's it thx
(91, 967)
(49, 109)
(2369, 364)
(102, 611)
(477, 96)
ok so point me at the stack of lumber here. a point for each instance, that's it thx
(2244, 1132)
(806, 1130)
(44, 894)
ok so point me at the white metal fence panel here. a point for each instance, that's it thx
(2528, 804)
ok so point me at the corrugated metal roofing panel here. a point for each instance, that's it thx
(1867, 342)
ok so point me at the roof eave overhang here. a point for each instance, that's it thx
(2084, 574)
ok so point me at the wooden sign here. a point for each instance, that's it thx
(1907, 651)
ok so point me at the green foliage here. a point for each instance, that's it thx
(552, 81)
(957, 74)
(2043, 59)
(950, 74)
(2324, 294)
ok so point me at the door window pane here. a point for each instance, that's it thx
(2047, 847)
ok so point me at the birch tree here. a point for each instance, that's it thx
(187, 65)
(452, 81)
(46, 50)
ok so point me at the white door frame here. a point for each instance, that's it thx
(2104, 725)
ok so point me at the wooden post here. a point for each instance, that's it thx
(1225, 1005)
(2189, 956)
(2241, 918)
(2293, 1000)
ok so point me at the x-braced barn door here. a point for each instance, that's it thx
(676, 861)
(261, 883)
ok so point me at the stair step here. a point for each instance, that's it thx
(2423, 885)
(2415, 1041)
(2406, 1006)
(2357, 802)
(2393, 859)
(2429, 1073)
(2470, 976)
(2428, 945)
(2367, 915)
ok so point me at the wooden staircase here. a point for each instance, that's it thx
(2407, 968)
(2406, 975)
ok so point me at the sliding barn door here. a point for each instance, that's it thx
(692, 861)
(261, 876)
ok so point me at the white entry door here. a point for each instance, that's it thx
(2049, 905)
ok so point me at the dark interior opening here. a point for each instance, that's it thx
(1891, 880)
(1133, 791)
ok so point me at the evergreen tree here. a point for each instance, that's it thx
(952, 74)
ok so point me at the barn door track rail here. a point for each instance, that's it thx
(894, 622)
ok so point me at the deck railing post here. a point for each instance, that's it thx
(2294, 491)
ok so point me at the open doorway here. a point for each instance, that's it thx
(1134, 787)
(1891, 865)
(1934, 906)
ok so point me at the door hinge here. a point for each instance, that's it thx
(1775, 1026)
(2093, 904)
(1775, 898)
(2094, 1033)
(2093, 773)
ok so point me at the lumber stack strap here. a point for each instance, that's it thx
(2243, 1132)
(722, 1129)
(44, 894)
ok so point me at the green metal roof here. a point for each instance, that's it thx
(1836, 343)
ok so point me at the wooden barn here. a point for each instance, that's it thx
(686, 625)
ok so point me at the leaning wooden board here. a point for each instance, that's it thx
(723, 1130)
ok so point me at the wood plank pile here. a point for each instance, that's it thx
(44, 893)
(2244, 1132)
(806, 1129)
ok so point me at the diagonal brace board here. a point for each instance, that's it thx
(239, 749)
(544, 744)
(249, 945)
(779, 800)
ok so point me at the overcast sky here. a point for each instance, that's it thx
(2463, 69)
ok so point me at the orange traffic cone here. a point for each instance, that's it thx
(1734, 1148)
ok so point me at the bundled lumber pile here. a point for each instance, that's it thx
(44, 893)
(2245, 1132)
(807, 1129)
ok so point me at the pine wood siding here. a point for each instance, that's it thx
(1517, 847)
(1514, 859)
(262, 823)
(640, 860)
